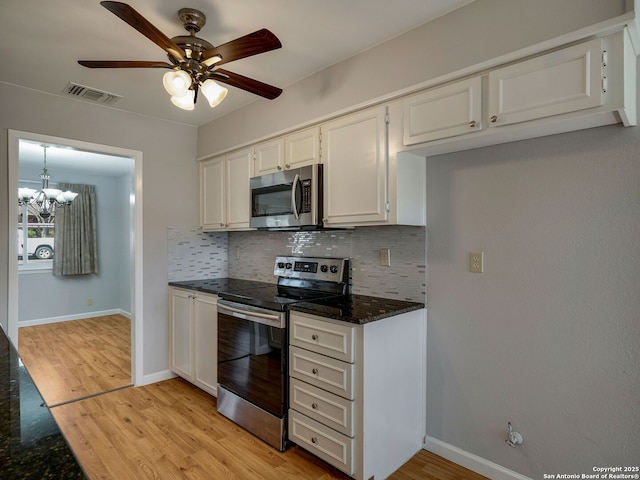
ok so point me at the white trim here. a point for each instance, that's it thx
(77, 316)
(472, 462)
(135, 248)
(156, 377)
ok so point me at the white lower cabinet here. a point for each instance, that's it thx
(357, 392)
(193, 339)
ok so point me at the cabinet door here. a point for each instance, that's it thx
(559, 82)
(239, 168)
(302, 148)
(181, 353)
(443, 112)
(205, 342)
(269, 157)
(355, 168)
(212, 194)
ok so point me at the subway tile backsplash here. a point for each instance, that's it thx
(250, 255)
(194, 254)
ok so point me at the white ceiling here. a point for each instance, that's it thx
(41, 41)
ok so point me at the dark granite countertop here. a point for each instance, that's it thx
(358, 309)
(355, 308)
(32, 445)
(217, 285)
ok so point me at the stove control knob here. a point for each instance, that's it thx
(334, 269)
(289, 265)
(280, 264)
(324, 268)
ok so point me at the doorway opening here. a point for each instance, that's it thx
(36, 296)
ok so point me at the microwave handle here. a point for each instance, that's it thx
(294, 188)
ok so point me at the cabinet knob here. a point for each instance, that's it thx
(314, 371)
(314, 440)
(314, 337)
(279, 167)
(287, 165)
(494, 119)
(314, 406)
(473, 124)
(222, 224)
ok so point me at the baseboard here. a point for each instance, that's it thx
(156, 377)
(472, 462)
(77, 316)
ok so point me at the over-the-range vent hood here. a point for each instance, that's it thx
(90, 94)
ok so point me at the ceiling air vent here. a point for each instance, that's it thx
(91, 94)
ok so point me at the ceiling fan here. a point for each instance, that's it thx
(194, 61)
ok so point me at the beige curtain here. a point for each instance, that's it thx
(75, 244)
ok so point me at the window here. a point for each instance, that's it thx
(37, 247)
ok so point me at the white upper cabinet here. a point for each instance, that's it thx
(564, 81)
(295, 150)
(584, 85)
(224, 191)
(213, 214)
(239, 170)
(269, 157)
(302, 148)
(442, 112)
(354, 154)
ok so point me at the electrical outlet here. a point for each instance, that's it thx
(385, 257)
(476, 262)
(237, 253)
(89, 302)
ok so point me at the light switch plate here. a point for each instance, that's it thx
(476, 262)
(385, 257)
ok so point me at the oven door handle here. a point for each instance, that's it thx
(294, 189)
(273, 320)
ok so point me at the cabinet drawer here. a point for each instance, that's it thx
(322, 337)
(324, 372)
(329, 445)
(334, 411)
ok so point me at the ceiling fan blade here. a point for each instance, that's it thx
(123, 64)
(245, 83)
(254, 43)
(142, 25)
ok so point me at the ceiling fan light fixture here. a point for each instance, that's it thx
(213, 92)
(176, 83)
(185, 102)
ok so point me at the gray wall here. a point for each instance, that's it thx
(67, 296)
(547, 337)
(169, 152)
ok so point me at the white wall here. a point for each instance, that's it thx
(169, 151)
(547, 337)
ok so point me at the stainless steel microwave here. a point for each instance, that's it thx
(288, 199)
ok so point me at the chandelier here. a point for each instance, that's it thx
(45, 200)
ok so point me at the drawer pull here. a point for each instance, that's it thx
(314, 406)
(314, 337)
(314, 440)
(314, 371)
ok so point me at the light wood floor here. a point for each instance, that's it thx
(167, 430)
(172, 430)
(70, 360)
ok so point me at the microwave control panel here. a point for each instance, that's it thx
(306, 196)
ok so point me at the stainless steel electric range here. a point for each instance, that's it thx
(253, 377)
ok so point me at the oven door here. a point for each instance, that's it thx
(287, 199)
(252, 355)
